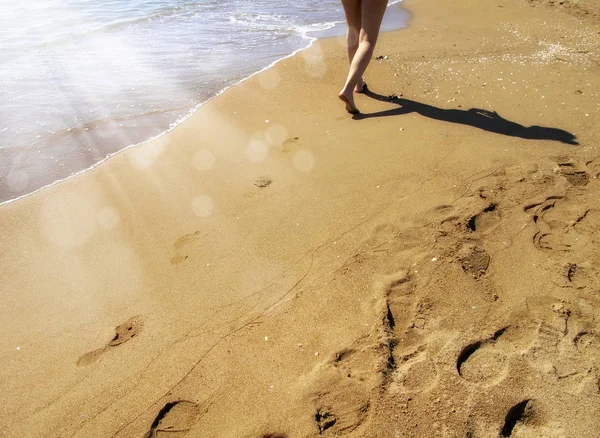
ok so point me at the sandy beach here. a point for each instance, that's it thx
(275, 268)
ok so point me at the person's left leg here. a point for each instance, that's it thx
(352, 38)
(353, 20)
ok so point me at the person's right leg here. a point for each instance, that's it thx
(371, 16)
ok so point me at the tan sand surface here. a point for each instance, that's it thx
(275, 268)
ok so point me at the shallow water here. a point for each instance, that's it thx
(83, 79)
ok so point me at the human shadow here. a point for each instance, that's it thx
(479, 118)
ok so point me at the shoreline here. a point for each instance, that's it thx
(157, 137)
(276, 268)
(325, 34)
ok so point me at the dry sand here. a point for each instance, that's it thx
(274, 268)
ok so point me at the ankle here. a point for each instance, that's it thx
(346, 91)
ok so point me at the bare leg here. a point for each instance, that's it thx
(371, 14)
(352, 45)
(352, 12)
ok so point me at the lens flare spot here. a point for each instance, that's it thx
(314, 63)
(143, 156)
(69, 220)
(256, 151)
(203, 206)
(204, 160)
(276, 134)
(269, 79)
(304, 160)
(108, 218)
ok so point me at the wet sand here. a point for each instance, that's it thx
(275, 267)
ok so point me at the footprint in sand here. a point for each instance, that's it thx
(346, 361)
(566, 224)
(421, 312)
(180, 245)
(123, 333)
(393, 285)
(387, 239)
(522, 413)
(179, 259)
(587, 223)
(342, 407)
(551, 315)
(566, 345)
(415, 372)
(585, 340)
(412, 371)
(263, 181)
(474, 261)
(485, 220)
(381, 236)
(553, 320)
(485, 361)
(580, 275)
(404, 309)
(594, 167)
(528, 418)
(398, 290)
(341, 391)
(290, 141)
(544, 238)
(574, 176)
(175, 420)
(324, 419)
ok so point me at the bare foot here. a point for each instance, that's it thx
(360, 87)
(349, 101)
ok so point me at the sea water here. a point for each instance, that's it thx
(83, 79)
